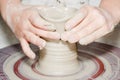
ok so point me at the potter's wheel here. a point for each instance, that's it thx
(97, 62)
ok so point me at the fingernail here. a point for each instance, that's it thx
(57, 35)
(63, 37)
(43, 44)
(83, 42)
(33, 56)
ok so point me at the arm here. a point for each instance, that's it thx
(113, 7)
(3, 6)
(27, 25)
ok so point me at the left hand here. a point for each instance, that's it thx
(88, 25)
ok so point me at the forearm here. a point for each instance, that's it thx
(4, 4)
(113, 7)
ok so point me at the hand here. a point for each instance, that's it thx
(88, 25)
(28, 27)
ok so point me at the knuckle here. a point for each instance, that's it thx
(96, 11)
(102, 19)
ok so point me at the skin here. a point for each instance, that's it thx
(85, 27)
(92, 23)
(27, 25)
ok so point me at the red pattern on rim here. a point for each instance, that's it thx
(16, 70)
(96, 60)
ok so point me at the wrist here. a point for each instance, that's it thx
(113, 10)
(5, 5)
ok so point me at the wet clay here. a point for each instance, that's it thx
(58, 57)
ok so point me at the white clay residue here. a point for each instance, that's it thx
(58, 57)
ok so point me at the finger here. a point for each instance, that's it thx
(69, 34)
(35, 40)
(66, 35)
(96, 35)
(46, 34)
(76, 20)
(88, 20)
(89, 29)
(26, 49)
(38, 22)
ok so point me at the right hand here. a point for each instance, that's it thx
(28, 27)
